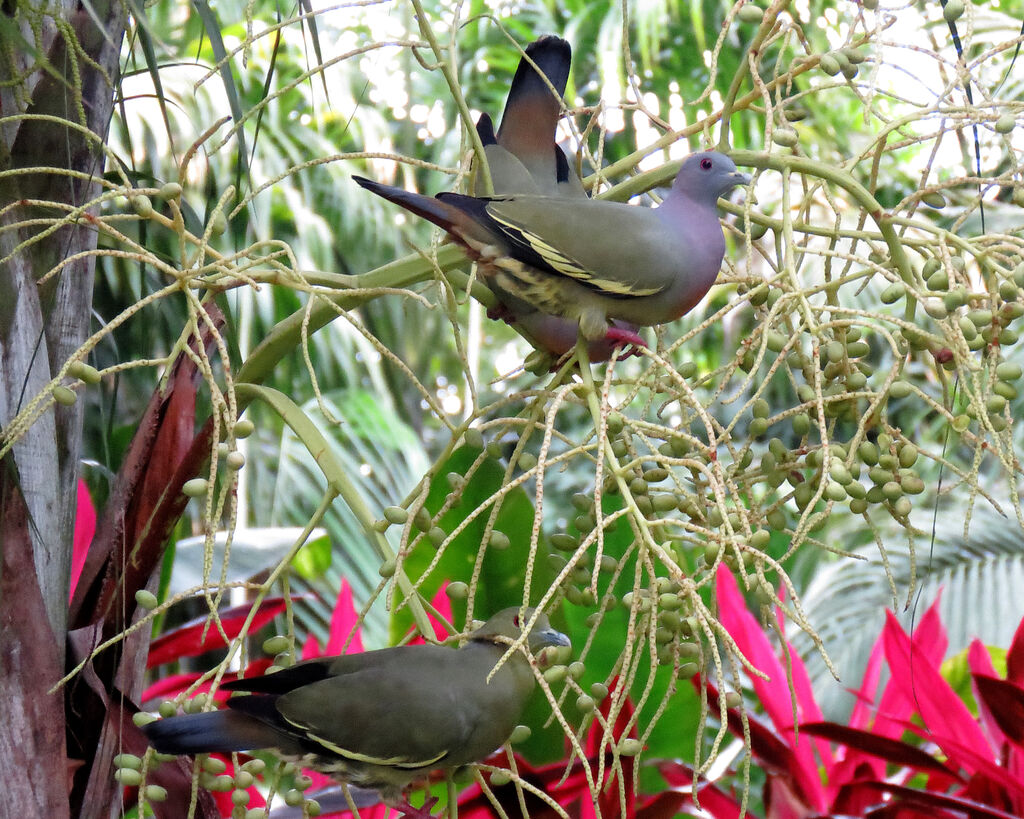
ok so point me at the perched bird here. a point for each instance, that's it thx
(588, 260)
(548, 251)
(380, 719)
(524, 158)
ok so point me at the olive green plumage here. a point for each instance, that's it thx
(524, 158)
(547, 250)
(380, 719)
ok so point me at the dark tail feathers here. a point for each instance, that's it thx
(223, 731)
(485, 128)
(553, 56)
(426, 207)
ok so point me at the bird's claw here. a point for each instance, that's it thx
(418, 813)
(619, 336)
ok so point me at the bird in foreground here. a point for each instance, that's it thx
(380, 719)
(587, 260)
(524, 157)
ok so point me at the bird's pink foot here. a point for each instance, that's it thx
(619, 336)
(409, 811)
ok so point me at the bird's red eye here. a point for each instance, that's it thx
(705, 164)
(515, 621)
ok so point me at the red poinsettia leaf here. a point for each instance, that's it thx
(675, 773)
(608, 799)
(781, 801)
(1005, 701)
(907, 811)
(345, 636)
(920, 682)
(987, 791)
(930, 799)
(860, 717)
(929, 646)
(665, 806)
(772, 753)
(774, 694)
(169, 687)
(975, 764)
(979, 661)
(809, 709)
(713, 800)
(197, 636)
(855, 798)
(891, 750)
(1015, 656)
(572, 794)
(624, 723)
(344, 625)
(85, 528)
(443, 606)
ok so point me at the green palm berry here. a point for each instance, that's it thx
(995, 403)
(953, 10)
(750, 13)
(829, 64)
(900, 389)
(785, 137)
(1005, 124)
(893, 293)
(154, 793)
(980, 318)
(1008, 371)
(1007, 391)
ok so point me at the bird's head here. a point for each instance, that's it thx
(507, 626)
(707, 176)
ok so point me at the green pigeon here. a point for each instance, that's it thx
(379, 719)
(544, 246)
(588, 260)
(524, 157)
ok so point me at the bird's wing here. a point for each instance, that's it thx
(613, 249)
(400, 710)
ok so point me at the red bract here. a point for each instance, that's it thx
(85, 528)
(566, 783)
(200, 635)
(964, 766)
(344, 636)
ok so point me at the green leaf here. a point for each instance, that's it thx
(313, 559)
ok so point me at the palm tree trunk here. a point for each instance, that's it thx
(57, 90)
